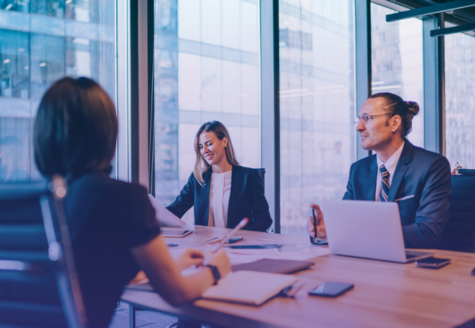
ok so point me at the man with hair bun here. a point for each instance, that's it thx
(417, 179)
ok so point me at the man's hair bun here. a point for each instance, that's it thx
(413, 107)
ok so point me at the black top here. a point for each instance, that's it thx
(246, 200)
(106, 219)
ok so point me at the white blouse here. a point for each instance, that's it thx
(220, 190)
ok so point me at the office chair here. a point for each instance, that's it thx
(459, 233)
(38, 282)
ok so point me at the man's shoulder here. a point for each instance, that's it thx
(364, 162)
(426, 157)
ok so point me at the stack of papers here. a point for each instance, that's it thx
(164, 216)
(289, 252)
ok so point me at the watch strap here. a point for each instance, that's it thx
(215, 272)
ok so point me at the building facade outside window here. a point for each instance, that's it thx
(317, 107)
(460, 100)
(397, 62)
(206, 68)
(40, 42)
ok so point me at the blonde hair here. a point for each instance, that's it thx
(220, 131)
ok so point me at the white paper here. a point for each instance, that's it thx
(301, 253)
(164, 216)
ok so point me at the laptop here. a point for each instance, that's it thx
(367, 229)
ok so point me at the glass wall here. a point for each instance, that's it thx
(460, 100)
(40, 42)
(397, 62)
(206, 68)
(316, 40)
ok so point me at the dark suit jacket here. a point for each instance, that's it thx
(419, 173)
(246, 200)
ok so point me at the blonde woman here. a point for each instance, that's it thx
(221, 191)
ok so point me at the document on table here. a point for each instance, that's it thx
(289, 252)
(164, 216)
(239, 256)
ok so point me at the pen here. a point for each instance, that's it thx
(215, 240)
(225, 240)
(235, 239)
(312, 239)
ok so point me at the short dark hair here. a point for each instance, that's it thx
(75, 128)
(396, 106)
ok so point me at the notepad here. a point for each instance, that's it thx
(273, 266)
(249, 287)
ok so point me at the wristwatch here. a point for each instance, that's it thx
(215, 272)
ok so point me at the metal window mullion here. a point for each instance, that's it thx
(139, 77)
(122, 38)
(434, 86)
(270, 122)
(362, 62)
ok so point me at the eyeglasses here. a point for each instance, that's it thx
(368, 117)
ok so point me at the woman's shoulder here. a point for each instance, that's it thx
(246, 170)
(101, 186)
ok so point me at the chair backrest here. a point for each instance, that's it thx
(459, 233)
(38, 284)
(262, 173)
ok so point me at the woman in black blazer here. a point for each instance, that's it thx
(219, 183)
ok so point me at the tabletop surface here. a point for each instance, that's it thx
(385, 294)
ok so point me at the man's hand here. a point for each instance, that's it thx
(321, 232)
(188, 258)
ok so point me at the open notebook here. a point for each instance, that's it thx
(249, 287)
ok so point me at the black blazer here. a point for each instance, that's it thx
(246, 200)
(422, 187)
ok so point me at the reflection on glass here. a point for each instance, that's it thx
(397, 62)
(40, 42)
(206, 68)
(460, 99)
(316, 40)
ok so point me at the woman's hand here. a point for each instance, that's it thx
(219, 260)
(188, 258)
(321, 232)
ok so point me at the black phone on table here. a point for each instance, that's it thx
(331, 289)
(432, 263)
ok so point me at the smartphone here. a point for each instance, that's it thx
(432, 263)
(331, 289)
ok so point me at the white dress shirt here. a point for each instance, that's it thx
(390, 166)
(219, 192)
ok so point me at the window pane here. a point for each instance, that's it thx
(206, 68)
(460, 99)
(397, 62)
(316, 105)
(40, 42)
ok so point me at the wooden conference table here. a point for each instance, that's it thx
(385, 294)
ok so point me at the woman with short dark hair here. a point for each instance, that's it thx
(221, 191)
(112, 223)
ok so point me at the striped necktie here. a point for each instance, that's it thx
(384, 184)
